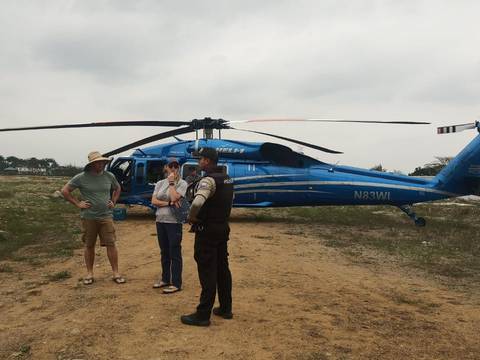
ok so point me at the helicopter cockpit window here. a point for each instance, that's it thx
(122, 169)
(155, 171)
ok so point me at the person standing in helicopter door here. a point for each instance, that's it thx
(167, 197)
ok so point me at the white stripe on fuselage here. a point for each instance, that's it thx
(279, 191)
(344, 183)
(263, 177)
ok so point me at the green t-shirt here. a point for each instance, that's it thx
(95, 189)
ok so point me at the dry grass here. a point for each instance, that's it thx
(33, 223)
(447, 246)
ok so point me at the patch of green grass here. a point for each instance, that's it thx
(25, 348)
(5, 194)
(325, 215)
(35, 220)
(59, 276)
(447, 246)
(258, 216)
(64, 248)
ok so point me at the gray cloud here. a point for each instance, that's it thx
(107, 58)
(82, 61)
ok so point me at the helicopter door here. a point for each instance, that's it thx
(147, 173)
(258, 172)
(246, 175)
(140, 184)
(140, 172)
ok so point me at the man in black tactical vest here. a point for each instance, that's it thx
(209, 216)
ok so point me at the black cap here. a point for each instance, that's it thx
(209, 153)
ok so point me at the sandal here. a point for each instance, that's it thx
(119, 280)
(160, 284)
(88, 281)
(171, 289)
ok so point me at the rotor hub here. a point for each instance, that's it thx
(209, 123)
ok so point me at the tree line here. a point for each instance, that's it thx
(49, 164)
(430, 169)
(13, 161)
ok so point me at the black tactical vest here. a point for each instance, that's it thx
(217, 208)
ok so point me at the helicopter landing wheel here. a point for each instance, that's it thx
(421, 222)
(407, 209)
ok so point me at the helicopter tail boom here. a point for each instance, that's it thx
(462, 174)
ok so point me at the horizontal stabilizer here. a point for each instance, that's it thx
(456, 128)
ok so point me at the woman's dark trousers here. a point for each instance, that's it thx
(169, 240)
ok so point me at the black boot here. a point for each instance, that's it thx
(193, 319)
(224, 314)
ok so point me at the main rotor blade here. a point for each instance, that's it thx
(455, 128)
(333, 121)
(316, 147)
(104, 124)
(150, 139)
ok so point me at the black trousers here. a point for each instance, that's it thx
(211, 255)
(170, 242)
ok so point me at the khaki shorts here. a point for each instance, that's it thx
(91, 228)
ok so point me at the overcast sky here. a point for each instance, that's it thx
(86, 61)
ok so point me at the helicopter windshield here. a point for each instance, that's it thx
(122, 169)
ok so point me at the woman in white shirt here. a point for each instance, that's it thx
(167, 197)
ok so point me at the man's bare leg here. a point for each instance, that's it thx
(112, 254)
(89, 255)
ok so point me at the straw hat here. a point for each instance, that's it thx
(95, 156)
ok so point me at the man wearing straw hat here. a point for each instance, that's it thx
(100, 191)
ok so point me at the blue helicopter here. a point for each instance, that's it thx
(272, 175)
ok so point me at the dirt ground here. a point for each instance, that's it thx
(294, 298)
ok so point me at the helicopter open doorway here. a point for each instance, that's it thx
(138, 176)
